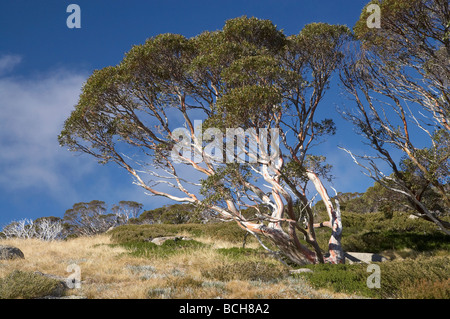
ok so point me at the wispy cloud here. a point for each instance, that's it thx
(31, 117)
(8, 63)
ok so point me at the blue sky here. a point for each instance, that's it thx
(43, 65)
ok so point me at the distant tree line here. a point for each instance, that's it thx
(44, 228)
(174, 214)
(85, 219)
(381, 199)
(91, 218)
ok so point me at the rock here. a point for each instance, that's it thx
(300, 271)
(413, 217)
(10, 252)
(161, 240)
(354, 257)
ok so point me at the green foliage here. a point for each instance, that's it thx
(248, 74)
(392, 10)
(241, 76)
(149, 216)
(246, 106)
(404, 278)
(130, 209)
(238, 253)
(27, 285)
(399, 279)
(254, 33)
(406, 60)
(88, 218)
(94, 217)
(426, 289)
(216, 190)
(423, 277)
(340, 278)
(171, 214)
(380, 241)
(380, 199)
(383, 230)
(166, 249)
(249, 270)
(139, 233)
(375, 233)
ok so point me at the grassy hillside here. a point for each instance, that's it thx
(196, 270)
(125, 264)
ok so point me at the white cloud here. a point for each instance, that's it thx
(8, 62)
(32, 112)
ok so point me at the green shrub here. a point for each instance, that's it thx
(138, 233)
(168, 248)
(424, 277)
(229, 231)
(426, 289)
(253, 271)
(374, 232)
(383, 240)
(404, 277)
(379, 221)
(27, 285)
(240, 253)
(340, 278)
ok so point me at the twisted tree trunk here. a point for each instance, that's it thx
(288, 243)
(334, 244)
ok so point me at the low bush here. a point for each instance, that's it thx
(340, 278)
(426, 289)
(27, 285)
(406, 278)
(399, 222)
(423, 277)
(237, 253)
(168, 248)
(374, 232)
(137, 233)
(384, 240)
(250, 270)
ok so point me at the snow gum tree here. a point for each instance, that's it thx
(398, 77)
(224, 120)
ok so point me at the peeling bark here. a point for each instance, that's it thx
(334, 245)
(297, 253)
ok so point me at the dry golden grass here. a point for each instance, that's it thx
(103, 268)
(108, 272)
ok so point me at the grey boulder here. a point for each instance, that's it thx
(10, 252)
